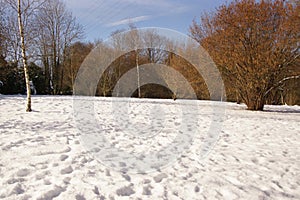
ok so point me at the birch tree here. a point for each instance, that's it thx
(133, 41)
(24, 57)
(25, 12)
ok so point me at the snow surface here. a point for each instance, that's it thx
(44, 156)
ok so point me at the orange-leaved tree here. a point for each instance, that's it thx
(254, 43)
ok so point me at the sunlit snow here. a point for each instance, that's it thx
(43, 154)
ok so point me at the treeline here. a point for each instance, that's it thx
(140, 57)
(255, 46)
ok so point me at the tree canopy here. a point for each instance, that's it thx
(255, 44)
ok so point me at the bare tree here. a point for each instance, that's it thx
(2, 29)
(13, 38)
(154, 45)
(179, 57)
(58, 30)
(10, 36)
(75, 55)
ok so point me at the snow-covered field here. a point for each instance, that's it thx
(44, 154)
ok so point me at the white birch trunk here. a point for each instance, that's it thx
(138, 73)
(24, 57)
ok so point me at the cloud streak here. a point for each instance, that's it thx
(129, 20)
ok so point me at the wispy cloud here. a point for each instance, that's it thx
(103, 16)
(130, 20)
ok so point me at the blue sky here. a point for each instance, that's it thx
(101, 17)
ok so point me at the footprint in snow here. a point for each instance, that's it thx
(23, 172)
(80, 197)
(160, 177)
(63, 157)
(125, 191)
(67, 170)
(18, 189)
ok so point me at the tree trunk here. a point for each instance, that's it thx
(24, 57)
(138, 73)
(47, 74)
(256, 105)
